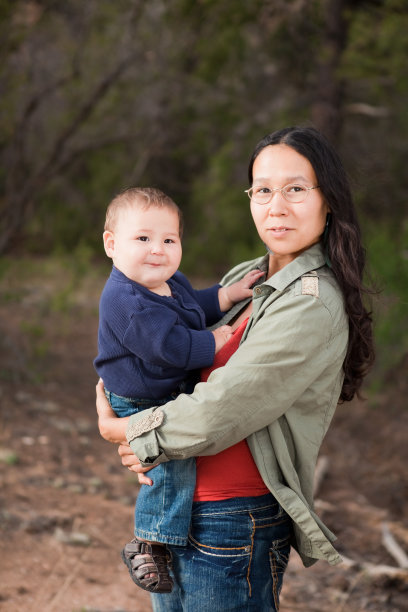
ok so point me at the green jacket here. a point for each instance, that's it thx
(279, 390)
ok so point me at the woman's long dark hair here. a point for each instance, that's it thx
(342, 243)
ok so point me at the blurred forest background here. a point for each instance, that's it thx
(96, 96)
(99, 95)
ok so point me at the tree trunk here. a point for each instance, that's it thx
(327, 108)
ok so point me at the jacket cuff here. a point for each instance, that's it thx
(145, 423)
(142, 438)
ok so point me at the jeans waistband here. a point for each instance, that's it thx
(235, 504)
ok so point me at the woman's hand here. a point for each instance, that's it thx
(113, 429)
(110, 426)
(130, 461)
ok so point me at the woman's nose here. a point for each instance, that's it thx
(277, 205)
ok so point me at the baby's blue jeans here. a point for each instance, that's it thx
(162, 511)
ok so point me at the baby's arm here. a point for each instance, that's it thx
(236, 292)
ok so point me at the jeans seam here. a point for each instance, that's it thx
(204, 552)
(194, 542)
(162, 498)
(154, 536)
(241, 511)
(274, 524)
(274, 580)
(251, 553)
(274, 564)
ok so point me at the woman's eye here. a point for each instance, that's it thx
(262, 190)
(295, 188)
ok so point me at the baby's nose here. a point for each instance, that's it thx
(156, 248)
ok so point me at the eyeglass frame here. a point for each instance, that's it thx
(281, 190)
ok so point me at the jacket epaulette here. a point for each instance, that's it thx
(310, 284)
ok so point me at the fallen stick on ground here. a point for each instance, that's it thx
(373, 570)
(392, 546)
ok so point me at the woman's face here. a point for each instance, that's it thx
(287, 228)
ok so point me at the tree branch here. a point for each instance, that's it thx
(18, 202)
(361, 108)
(84, 112)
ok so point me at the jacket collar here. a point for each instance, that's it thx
(311, 259)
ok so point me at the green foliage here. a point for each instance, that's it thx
(9, 457)
(4, 266)
(70, 221)
(95, 100)
(378, 49)
(387, 254)
(374, 139)
(42, 300)
(220, 218)
(222, 23)
(237, 72)
(35, 333)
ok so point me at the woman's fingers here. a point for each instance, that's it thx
(130, 461)
(144, 479)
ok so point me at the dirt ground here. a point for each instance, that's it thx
(66, 504)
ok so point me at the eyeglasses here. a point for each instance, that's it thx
(292, 193)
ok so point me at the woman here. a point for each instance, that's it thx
(257, 424)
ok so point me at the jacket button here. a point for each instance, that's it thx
(258, 291)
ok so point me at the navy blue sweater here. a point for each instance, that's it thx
(149, 343)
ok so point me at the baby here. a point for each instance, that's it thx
(152, 341)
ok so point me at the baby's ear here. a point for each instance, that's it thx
(109, 243)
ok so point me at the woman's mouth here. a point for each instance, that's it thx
(280, 230)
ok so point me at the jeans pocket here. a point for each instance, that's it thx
(278, 559)
(223, 563)
(221, 534)
(224, 551)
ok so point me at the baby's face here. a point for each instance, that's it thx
(146, 245)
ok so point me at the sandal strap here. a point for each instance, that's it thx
(144, 558)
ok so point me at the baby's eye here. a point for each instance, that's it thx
(143, 238)
(169, 241)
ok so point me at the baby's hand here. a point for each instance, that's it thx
(222, 335)
(228, 296)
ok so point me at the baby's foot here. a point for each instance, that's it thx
(148, 565)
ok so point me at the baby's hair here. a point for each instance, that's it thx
(143, 198)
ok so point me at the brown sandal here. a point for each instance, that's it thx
(144, 558)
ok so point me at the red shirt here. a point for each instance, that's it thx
(232, 472)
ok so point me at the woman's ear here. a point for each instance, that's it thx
(109, 243)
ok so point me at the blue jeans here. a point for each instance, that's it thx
(163, 511)
(237, 553)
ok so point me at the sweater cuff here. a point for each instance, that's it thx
(202, 349)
